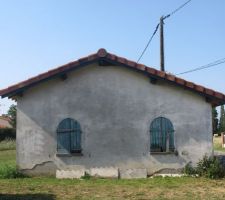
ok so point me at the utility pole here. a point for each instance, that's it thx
(161, 45)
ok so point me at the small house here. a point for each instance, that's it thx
(109, 116)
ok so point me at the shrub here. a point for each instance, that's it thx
(7, 171)
(189, 170)
(209, 167)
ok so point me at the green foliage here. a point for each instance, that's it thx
(189, 170)
(215, 120)
(7, 133)
(216, 170)
(8, 157)
(12, 115)
(209, 167)
(222, 119)
(8, 144)
(86, 176)
(8, 171)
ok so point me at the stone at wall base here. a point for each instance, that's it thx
(104, 172)
(70, 174)
(133, 173)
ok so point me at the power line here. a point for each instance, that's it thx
(212, 64)
(149, 41)
(176, 10)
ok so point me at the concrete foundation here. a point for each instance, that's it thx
(104, 172)
(70, 174)
(133, 173)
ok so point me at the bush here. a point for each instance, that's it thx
(7, 171)
(189, 170)
(9, 133)
(209, 167)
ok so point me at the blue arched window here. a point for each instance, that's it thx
(161, 135)
(69, 136)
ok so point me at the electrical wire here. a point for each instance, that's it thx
(176, 10)
(212, 64)
(149, 41)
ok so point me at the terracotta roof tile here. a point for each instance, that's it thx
(84, 59)
(189, 84)
(131, 63)
(92, 57)
(209, 91)
(170, 77)
(141, 67)
(199, 88)
(217, 97)
(161, 74)
(111, 56)
(180, 81)
(102, 52)
(121, 60)
(150, 70)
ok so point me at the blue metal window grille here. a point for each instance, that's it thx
(161, 135)
(69, 136)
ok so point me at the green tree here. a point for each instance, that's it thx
(12, 115)
(222, 119)
(215, 120)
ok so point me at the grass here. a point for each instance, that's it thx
(7, 144)
(155, 188)
(105, 189)
(8, 160)
(8, 157)
(218, 144)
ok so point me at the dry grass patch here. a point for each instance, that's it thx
(217, 143)
(156, 188)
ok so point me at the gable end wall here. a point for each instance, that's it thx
(115, 107)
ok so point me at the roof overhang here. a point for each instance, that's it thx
(102, 57)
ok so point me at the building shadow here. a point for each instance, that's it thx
(27, 197)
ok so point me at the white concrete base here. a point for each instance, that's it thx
(109, 172)
(168, 175)
(71, 174)
(133, 173)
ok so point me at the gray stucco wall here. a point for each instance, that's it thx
(115, 107)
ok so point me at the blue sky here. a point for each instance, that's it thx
(39, 35)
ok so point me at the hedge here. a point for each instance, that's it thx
(9, 133)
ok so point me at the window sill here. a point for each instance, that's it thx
(68, 154)
(164, 153)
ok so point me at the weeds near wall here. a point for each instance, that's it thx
(209, 167)
(86, 176)
(7, 172)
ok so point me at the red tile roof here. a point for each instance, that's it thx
(216, 98)
(5, 122)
